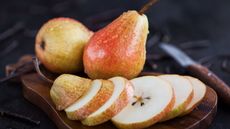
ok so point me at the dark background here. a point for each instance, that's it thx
(182, 20)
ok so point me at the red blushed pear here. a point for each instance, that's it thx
(118, 49)
(60, 43)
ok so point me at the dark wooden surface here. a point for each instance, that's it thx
(37, 90)
(183, 20)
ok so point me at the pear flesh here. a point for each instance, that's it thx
(153, 98)
(134, 104)
(183, 94)
(100, 92)
(122, 94)
(199, 89)
(91, 93)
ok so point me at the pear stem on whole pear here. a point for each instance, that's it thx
(36, 65)
(147, 6)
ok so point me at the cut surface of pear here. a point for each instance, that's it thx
(118, 49)
(183, 94)
(67, 89)
(199, 89)
(153, 98)
(98, 94)
(122, 94)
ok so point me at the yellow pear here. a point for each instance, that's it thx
(59, 45)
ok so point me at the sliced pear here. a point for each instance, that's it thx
(67, 89)
(98, 94)
(122, 94)
(199, 89)
(183, 92)
(153, 98)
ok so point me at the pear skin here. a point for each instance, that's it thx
(122, 95)
(138, 116)
(60, 43)
(118, 49)
(199, 94)
(67, 89)
(95, 103)
(183, 93)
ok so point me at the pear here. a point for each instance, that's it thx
(122, 94)
(98, 94)
(118, 49)
(153, 98)
(183, 93)
(60, 43)
(199, 89)
(67, 89)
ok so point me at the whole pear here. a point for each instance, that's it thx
(60, 43)
(118, 49)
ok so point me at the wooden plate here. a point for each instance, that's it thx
(37, 92)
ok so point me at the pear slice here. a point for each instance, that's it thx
(122, 94)
(99, 93)
(153, 98)
(67, 89)
(199, 89)
(183, 92)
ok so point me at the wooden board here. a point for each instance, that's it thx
(37, 92)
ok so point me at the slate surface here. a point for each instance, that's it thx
(183, 20)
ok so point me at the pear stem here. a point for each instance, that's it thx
(36, 65)
(147, 6)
